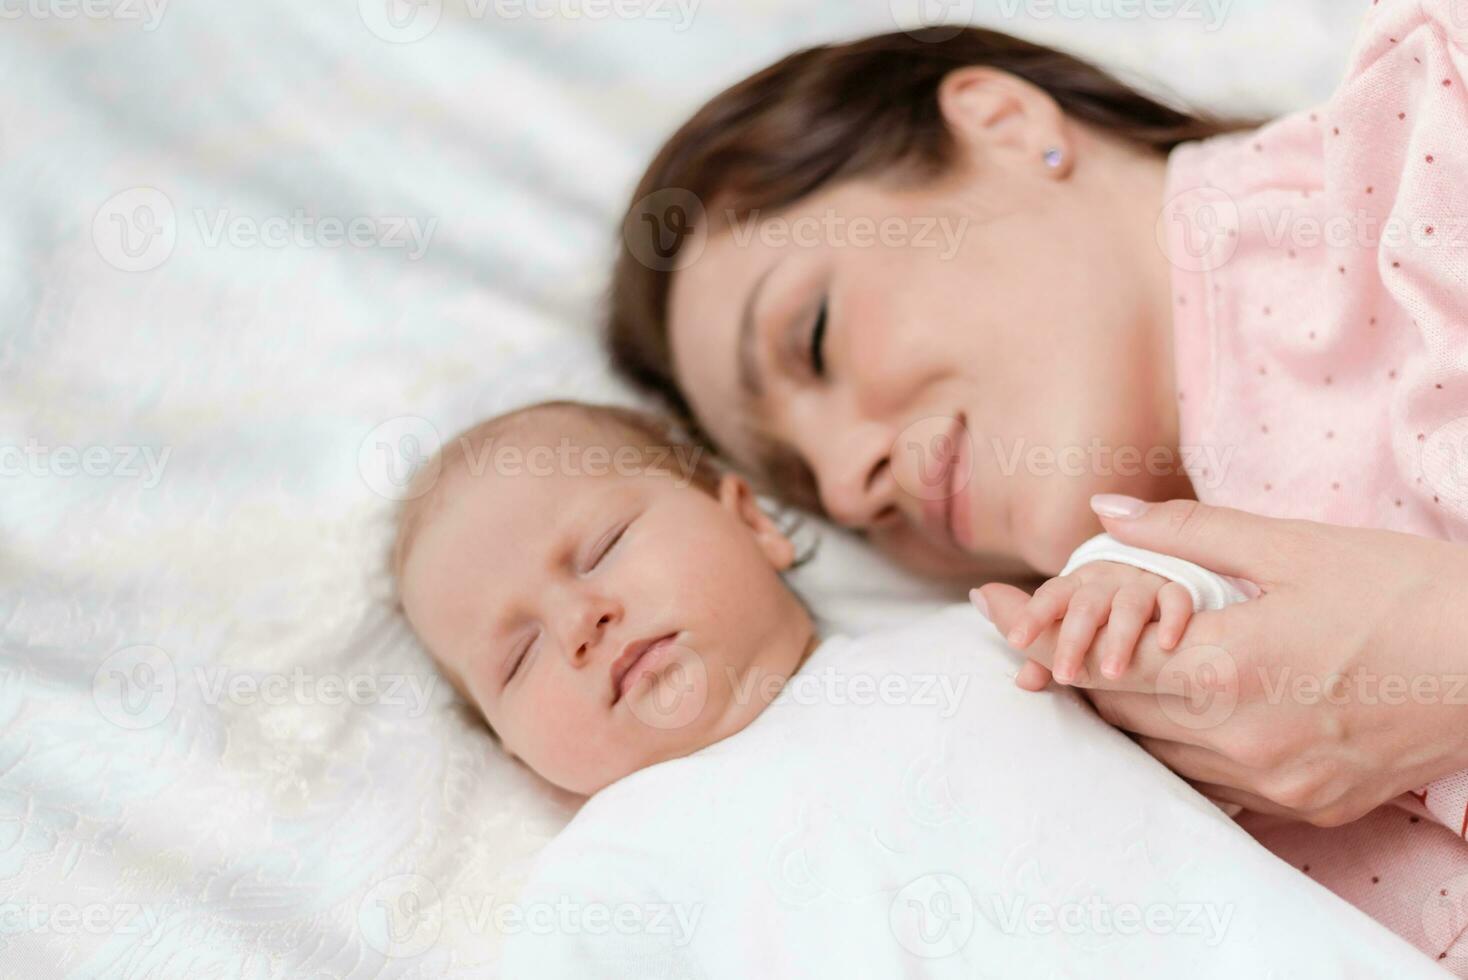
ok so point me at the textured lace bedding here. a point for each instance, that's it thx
(254, 258)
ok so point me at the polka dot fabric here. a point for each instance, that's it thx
(1321, 343)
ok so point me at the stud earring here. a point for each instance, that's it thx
(1053, 158)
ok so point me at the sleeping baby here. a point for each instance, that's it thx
(766, 801)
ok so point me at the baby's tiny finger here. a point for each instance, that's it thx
(1088, 610)
(1045, 607)
(1176, 605)
(1131, 611)
(1033, 676)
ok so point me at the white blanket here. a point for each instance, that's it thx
(902, 809)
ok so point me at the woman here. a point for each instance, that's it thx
(1129, 301)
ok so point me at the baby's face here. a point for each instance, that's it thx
(542, 593)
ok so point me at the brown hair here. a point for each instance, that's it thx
(833, 113)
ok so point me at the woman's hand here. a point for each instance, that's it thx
(1343, 685)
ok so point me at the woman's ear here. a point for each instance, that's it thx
(736, 495)
(997, 117)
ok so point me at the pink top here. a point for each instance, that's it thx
(1321, 328)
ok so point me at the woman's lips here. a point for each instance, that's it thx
(948, 516)
(961, 478)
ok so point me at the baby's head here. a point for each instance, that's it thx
(544, 549)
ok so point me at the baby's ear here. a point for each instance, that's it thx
(736, 495)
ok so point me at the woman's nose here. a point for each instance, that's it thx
(854, 476)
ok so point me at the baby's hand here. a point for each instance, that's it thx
(1122, 598)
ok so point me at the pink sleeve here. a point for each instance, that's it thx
(1407, 82)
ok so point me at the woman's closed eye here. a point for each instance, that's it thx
(818, 341)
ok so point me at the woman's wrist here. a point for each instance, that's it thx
(1429, 633)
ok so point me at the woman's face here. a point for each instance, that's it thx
(1012, 317)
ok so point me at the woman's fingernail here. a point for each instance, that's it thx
(1111, 670)
(1118, 506)
(1016, 636)
(977, 598)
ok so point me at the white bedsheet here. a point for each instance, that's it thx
(206, 397)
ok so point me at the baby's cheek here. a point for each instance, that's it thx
(545, 732)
